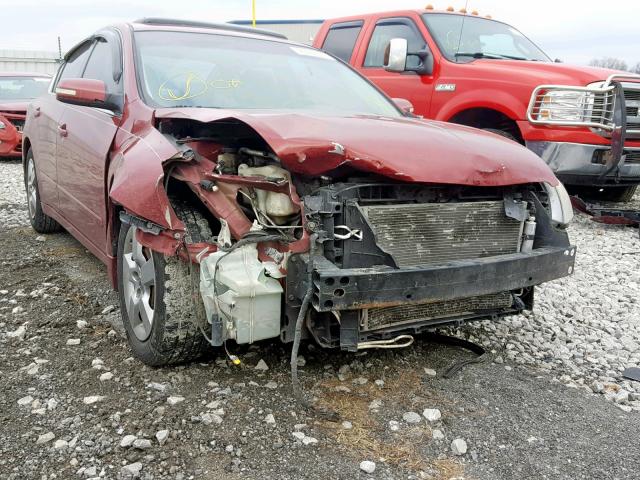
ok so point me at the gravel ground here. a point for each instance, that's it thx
(74, 404)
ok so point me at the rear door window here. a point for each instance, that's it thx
(387, 29)
(341, 39)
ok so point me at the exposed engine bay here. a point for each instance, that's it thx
(363, 260)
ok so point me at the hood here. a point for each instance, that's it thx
(405, 149)
(537, 73)
(14, 106)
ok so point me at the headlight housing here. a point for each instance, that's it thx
(566, 106)
(560, 204)
(2, 125)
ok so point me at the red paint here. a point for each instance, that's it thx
(83, 90)
(502, 85)
(10, 138)
(407, 149)
(112, 162)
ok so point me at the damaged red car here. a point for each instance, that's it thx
(241, 187)
(16, 91)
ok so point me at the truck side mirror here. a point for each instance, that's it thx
(395, 56)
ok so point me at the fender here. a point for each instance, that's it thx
(498, 100)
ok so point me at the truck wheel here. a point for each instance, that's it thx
(162, 311)
(40, 222)
(606, 194)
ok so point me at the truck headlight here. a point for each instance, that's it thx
(2, 126)
(560, 204)
(566, 106)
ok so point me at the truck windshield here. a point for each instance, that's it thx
(465, 38)
(15, 89)
(185, 69)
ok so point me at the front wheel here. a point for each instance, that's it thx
(160, 304)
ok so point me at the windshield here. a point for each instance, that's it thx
(462, 38)
(16, 89)
(180, 69)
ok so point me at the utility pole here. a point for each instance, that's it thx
(253, 13)
(59, 49)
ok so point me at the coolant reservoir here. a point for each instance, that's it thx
(245, 300)
(277, 206)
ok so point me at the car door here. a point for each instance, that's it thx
(44, 118)
(417, 88)
(86, 135)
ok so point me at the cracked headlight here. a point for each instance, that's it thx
(560, 204)
(566, 106)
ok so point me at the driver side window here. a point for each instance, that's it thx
(387, 29)
(100, 65)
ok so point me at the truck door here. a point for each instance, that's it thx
(86, 135)
(370, 62)
(341, 39)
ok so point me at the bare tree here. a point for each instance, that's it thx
(609, 62)
(635, 68)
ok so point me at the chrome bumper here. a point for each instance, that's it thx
(581, 164)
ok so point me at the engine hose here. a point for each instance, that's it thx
(295, 381)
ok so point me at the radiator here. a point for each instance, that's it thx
(433, 233)
(376, 318)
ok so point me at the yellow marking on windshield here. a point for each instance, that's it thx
(194, 86)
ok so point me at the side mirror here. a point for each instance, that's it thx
(395, 57)
(85, 92)
(403, 104)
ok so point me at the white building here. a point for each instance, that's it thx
(28, 61)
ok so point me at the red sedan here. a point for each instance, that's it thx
(241, 187)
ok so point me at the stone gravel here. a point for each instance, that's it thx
(85, 409)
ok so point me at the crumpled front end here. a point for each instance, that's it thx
(346, 246)
(11, 125)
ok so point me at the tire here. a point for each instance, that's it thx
(162, 311)
(606, 194)
(40, 222)
(502, 133)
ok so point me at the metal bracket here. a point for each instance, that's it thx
(144, 225)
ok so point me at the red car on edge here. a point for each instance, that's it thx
(16, 91)
(241, 187)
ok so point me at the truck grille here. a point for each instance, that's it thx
(632, 104)
(376, 318)
(433, 233)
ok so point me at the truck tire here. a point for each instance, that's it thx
(40, 222)
(161, 308)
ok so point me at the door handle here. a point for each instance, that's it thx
(36, 113)
(62, 130)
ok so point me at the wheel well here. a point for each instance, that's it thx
(488, 118)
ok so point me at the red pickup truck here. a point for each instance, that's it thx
(463, 68)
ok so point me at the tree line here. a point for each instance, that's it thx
(615, 64)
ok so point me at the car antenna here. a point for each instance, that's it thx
(464, 17)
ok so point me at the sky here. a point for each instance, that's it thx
(574, 31)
